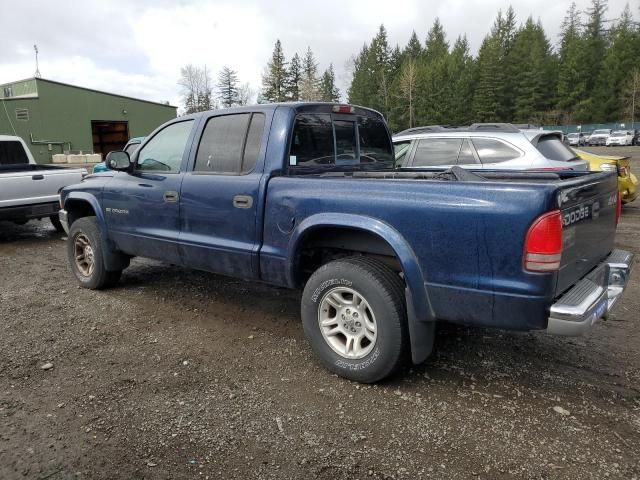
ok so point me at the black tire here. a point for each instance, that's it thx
(98, 277)
(55, 221)
(383, 290)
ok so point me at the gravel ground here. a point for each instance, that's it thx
(181, 374)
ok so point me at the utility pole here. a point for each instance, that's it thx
(35, 48)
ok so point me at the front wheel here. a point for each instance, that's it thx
(354, 317)
(86, 255)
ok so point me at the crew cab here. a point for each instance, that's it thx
(305, 196)
(29, 190)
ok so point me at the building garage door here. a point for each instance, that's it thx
(109, 136)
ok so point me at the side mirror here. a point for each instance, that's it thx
(118, 160)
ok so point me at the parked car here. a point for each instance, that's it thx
(636, 137)
(576, 139)
(620, 137)
(599, 137)
(587, 136)
(627, 181)
(305, 195)
(29, 190)
(491, 146)
(131, 146)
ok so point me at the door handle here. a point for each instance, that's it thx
(170, 197)
(37, 177)
(243, 201)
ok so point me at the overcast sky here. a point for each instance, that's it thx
(137, 48)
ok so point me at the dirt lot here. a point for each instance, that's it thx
(180, 374)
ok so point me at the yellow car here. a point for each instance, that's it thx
(627, 181)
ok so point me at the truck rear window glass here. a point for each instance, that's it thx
(313, 143)
(345, 142)
(553, 149)
(375, 145)
(12, 153)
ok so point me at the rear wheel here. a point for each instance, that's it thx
(354, 316)
(55, 221)
(86, 255)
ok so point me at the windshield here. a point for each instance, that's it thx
(573, 135)
(601, 132)
(552, 148)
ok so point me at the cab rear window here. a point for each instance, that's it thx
(320, 140)
(12, 153)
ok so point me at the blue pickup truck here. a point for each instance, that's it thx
(306, 196)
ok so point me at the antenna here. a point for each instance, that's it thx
(35, 48)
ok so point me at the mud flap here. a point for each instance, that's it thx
(422, 332)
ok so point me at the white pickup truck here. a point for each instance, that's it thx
(29, 190)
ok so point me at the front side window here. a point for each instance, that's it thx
(494, 151)
(434, 152)
(163, 153)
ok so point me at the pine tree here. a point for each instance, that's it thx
(593, 53)
(534, 80)
(619, 61)
(486, 98)
(432, 82)
(309, 88)
(413, 49)
(227, 86)
(461, 78)
(328, 90)
(295, 77)
(571, 88)
(274, 80)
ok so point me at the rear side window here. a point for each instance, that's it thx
(494, 151)
(12, 153)
(432, 152)
(318, 140)
(230, 144)
(553, 149)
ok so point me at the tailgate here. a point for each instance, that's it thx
(38, 185)
(588, 209)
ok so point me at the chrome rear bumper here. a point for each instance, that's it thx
(592, 298)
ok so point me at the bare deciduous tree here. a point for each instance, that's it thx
(195, 83)
(631, 94)
(408, 78)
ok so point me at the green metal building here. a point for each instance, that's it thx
(54, 117)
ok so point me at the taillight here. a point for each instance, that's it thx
(618, 207)
(543, 243)
(343, 109)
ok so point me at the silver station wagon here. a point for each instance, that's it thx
(495, 146)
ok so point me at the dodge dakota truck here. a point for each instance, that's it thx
(305, 196)
(28, 190)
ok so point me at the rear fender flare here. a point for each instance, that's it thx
(420, 315)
